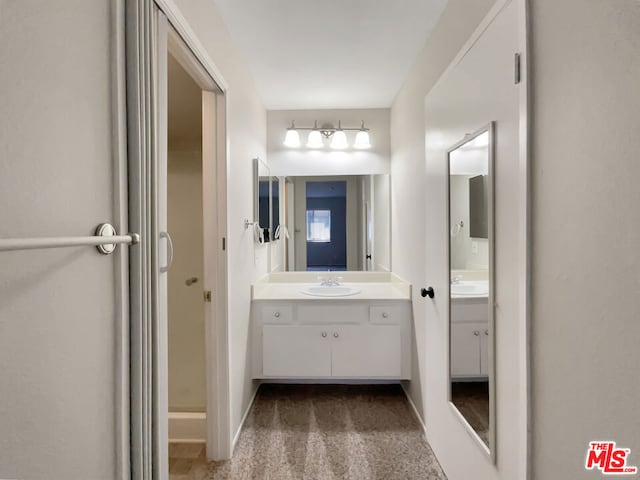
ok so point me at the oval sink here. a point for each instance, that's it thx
(470, 288)
(330, 291)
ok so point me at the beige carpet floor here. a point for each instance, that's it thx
(320, 432)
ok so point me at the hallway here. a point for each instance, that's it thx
(321, 432)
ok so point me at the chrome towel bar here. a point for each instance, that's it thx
(105, 240)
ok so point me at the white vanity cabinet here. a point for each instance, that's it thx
(319, 339)
(469, 337)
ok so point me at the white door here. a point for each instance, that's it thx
(63, 323)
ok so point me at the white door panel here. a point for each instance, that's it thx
(60, 318)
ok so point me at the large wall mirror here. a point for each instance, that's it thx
(471, 317)
(335, 223)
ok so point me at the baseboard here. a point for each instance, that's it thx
(244, 419)
(415, 411)
(187, 427)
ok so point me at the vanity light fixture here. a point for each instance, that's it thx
(339, 140)
(292, 139)
(327, 131)
(362, 138)
(315, 137)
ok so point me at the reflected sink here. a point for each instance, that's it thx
(330, 291)
(470, 288)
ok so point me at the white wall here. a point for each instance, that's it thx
(246, 130)
(458, 21)
(303, 161)
(585, 303)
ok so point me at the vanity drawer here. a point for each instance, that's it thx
(385, 314)
(276, 314)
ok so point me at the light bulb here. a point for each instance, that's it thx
(362, 140)
(339, 140)
(292, 139)
(315, 139)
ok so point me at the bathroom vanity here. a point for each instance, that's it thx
(359, 329)
(469, 337)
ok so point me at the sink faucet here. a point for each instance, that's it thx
(329, 281)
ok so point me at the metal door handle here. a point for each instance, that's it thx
(190, 281)
(169, 251)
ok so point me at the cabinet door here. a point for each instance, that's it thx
(366, 351)
(465, 349)
(296, 351)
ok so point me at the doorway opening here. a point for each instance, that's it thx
(191, 188)
(326, 225)
(186, 308)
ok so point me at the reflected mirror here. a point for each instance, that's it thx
(262, 200)
(472, 377)
(335, 223)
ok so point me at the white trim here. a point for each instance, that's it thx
(193, 56)
(236, 437)
(187, 427)
(525, 227)
(177, 21)
(415, 411)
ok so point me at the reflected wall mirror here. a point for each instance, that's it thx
(335, 223)
(263, 202)
(471, 316)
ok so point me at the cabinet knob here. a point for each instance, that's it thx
(277, 314)
(335, 335)
(427, 292)
(324, 334)
(486, 332)
(385, 315)
(476, 332)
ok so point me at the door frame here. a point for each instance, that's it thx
(152, 28)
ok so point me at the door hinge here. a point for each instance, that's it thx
(517, 69)
(207, 295)
(224, 243)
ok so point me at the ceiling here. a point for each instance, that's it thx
(306, 54)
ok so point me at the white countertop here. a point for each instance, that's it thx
(372, 286)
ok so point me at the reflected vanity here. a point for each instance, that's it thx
(471, 318)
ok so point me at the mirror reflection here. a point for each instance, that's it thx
(263, 201)
(336, 223)
(470, 267)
